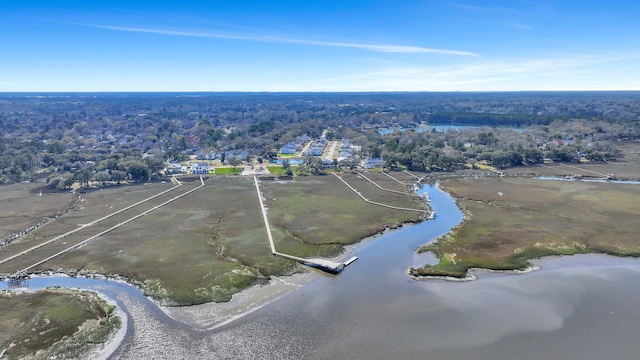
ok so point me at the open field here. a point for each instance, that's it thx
(513, 220)
(56, 322)
(212, 243)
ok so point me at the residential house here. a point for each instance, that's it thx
(317, 148)
(238, 154)
(371, 163)
(206, 155)
(290, 148)
(199, 168)
(175, 168)
(327, 164)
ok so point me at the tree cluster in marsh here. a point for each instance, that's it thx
(101, 138)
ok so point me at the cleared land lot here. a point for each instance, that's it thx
(513, 220)
(212, 243)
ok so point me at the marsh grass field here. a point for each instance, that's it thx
(95, 205)
(212, 243)
(53, 323)
(22, 206)
(513, 220)
(310, 215)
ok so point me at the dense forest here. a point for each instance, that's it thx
(114, 137)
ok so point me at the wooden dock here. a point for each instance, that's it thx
(323, 264)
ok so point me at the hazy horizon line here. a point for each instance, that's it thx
(299, 92)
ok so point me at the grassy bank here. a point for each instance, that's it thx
(53, 323)
(511, 221)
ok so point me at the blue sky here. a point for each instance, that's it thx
(439, 45)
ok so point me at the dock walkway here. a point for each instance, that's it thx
(377, 203)
(392, 178)
(323, 264)
(385, 189)
(20, 273)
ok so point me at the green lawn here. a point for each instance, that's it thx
(227, 171)
(277, 170)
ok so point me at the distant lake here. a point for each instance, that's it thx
(291, 161)
(441, 128)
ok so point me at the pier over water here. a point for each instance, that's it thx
(323, 264)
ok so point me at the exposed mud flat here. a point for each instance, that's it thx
(213, 315)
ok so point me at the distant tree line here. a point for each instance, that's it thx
(492, 119)
(112, 138)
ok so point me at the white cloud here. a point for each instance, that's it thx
(483, 9)
(518, 26)
(387, 48)
(559, 73)
(500, 15)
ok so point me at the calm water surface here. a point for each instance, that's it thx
(581, 307)
(441, 128)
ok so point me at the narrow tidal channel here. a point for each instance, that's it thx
(580, 307)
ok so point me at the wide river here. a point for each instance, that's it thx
(579, 307)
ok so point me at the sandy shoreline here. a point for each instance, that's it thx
(109, 347)
(209, 315)
(213, 315)
(197, 317)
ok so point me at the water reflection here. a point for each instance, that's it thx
(425, 258)
(443, 128)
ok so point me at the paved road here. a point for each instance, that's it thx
(332, 149)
